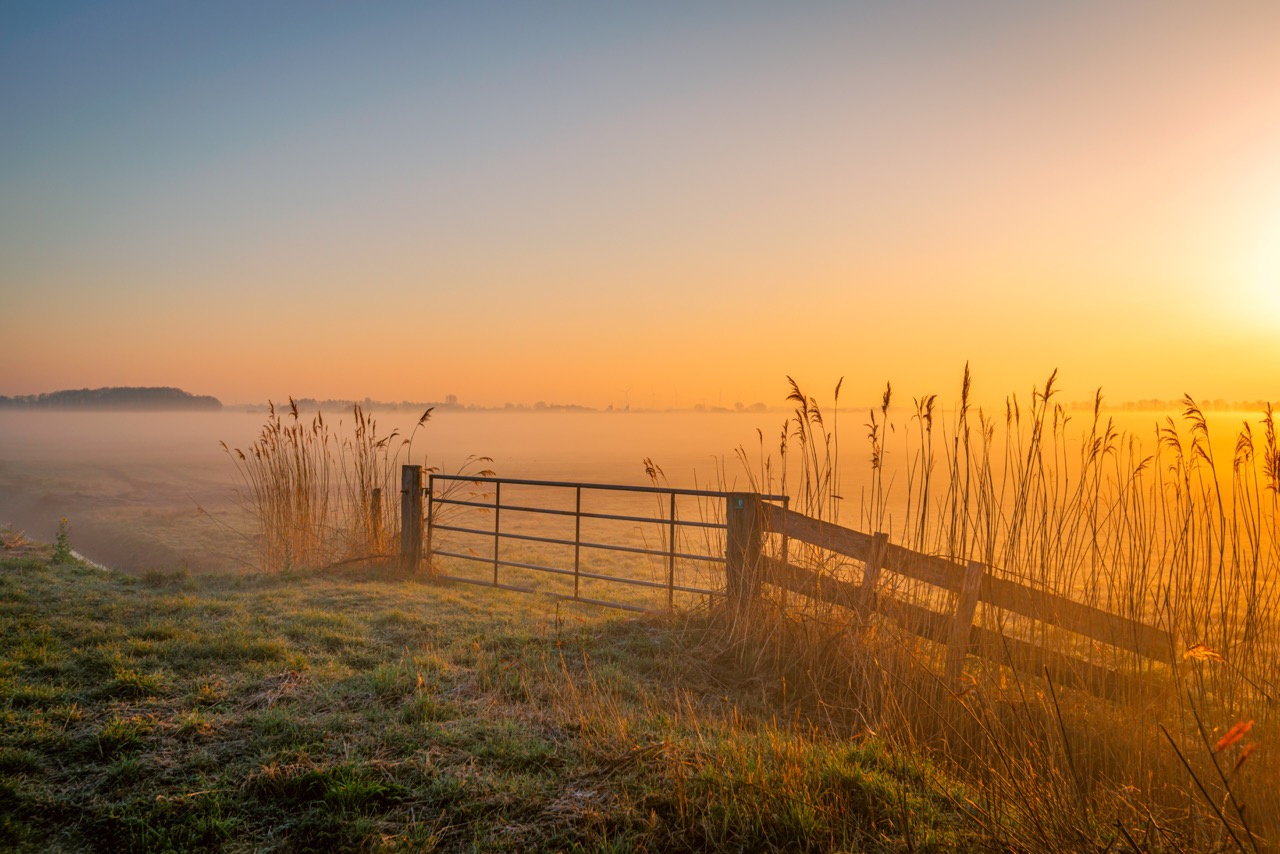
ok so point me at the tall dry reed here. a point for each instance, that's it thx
(308, 488)
(1162, 532)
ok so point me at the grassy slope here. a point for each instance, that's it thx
(329, 713)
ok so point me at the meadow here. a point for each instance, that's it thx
(792, 725)
(338, 712)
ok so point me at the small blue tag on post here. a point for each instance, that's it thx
(739, 504)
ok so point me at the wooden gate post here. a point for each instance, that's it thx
(742, 546)
(871, 575)
(410, 518)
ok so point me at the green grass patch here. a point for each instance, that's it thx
(313, 712)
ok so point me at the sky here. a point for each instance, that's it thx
(657, 204)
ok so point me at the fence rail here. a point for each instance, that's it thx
(971, 583)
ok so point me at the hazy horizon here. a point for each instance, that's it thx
(156, 489)
(781, 405)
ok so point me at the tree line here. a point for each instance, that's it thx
(117, 397)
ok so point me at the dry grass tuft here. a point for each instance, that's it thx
(11, 540)
(317, 496)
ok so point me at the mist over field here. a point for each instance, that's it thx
(151, 490)
(156, 490)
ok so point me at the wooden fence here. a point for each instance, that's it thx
(971, 584)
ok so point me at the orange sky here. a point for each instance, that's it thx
(660, 206)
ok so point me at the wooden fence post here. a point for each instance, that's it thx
(742, 546)
(871, 575)
(970, 587)
(410, 518)
(375, 519)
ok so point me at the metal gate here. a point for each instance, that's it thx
(576, 541)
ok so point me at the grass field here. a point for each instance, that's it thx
(322, 712)
(316, 702)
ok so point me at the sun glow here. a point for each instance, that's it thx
(1260, 294)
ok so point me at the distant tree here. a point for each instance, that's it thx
(123, 397)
